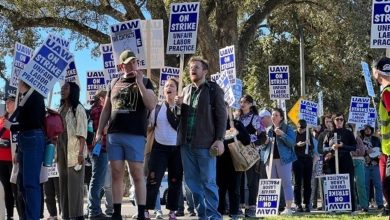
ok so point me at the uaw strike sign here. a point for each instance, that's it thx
(47, 66)
(337, 192)
(153, 38)
(367, 79)
(127, 36)
(380, 24)
(268, 197)
(227, 63)
(95, 81)
(279, 87)
(371, 118)
(308, 112)
(108, 61)
(165, 74)
(358, 110)
(71, 74)
(183, 28)
(22, 56)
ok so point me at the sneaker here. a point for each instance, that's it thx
(286, 212)
(179, 213)
(307, 209)
(192, 213)
(385, 212)
(380, 207)
(251, 212)
(147, 216)
(299, 208)
(365, 210)
(172, 216)
(159, 214)
(50, 218)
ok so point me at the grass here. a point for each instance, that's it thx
(344, 216)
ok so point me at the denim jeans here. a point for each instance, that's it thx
(372, 173)
(30, 155)
(200, 175)
(108, 192)
(360, 180)
(99, 170)
(189, 199)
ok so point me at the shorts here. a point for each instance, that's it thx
(126, 147)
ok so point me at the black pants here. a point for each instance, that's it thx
(252, 178)
(52, 190)
(10, 190)
(345, 166)
(228, 180)
(386, 180)
(302, 169)
(161, 158)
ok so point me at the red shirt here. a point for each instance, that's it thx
(96, 111)
(5, 153)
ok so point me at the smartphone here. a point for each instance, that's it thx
(78, 167)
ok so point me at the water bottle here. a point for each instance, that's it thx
(49, 155)
(90, 126)
(96, 149)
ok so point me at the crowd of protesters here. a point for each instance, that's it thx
(188, 142)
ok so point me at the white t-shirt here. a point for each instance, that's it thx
(164, 133)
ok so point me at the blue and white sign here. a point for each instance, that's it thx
(279, 82)
(358, 110)
(108, 62)
(237, 92)
(268, 197)
(71, 74)
(367, 78)
(318, 171)
(380, 21)
(225, 85)
(337, 192)
(22, 56)
(227, 63)
(165, 74)
(63, 42)
(215, 77)
(127, 36)
(95, 81)
(183, 28)
(308, 111)
(153, 34)
(47, 67)
(371, 119)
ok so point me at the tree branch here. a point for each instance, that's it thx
(104, 8)
(133, 11)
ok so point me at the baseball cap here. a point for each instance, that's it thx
(10, 97)
(264, 113)
(383, 65)
(126, 56)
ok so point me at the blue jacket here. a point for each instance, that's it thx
(285, 145)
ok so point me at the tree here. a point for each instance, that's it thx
(221, 23)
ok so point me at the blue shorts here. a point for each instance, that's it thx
(126, 147)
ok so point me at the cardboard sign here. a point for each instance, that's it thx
(183, 28)
(337, 192)
(47, 66)
(268, 197)
(308, 112)
(367, 78)
(22, 56)
(380, 21)
(320, 104)
(237, 92)
(127, 36)
(279, 82)
(358, 110)
(227, 63)
(224, 83)
(153, 32)
(108, 61)
(95, 81)
(165, 74)
(53, 171)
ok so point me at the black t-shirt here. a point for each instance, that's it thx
(276, 150)
(32, 113)
(128, 112)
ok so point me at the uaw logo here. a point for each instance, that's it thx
(386, 67)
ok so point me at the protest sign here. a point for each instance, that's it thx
(71, 74)
(268, 197)
(215, 77)
(320, 104)
(95, 81)
(380, 24)
(371, 119)
(165, 74)
(153, 39)
(337, 192)
(127, 36)
(318, 167)
(367, 79)
(47, 66)
(358, 110)
(279, 87)
(63, 42)
(9, 90)
(237, 92)
(108, 61)
(183, 28)
(52, 171)
(22, 56)
(224, 83)
(308, 112)
(227, 63)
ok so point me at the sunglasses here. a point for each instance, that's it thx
(339, 119)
